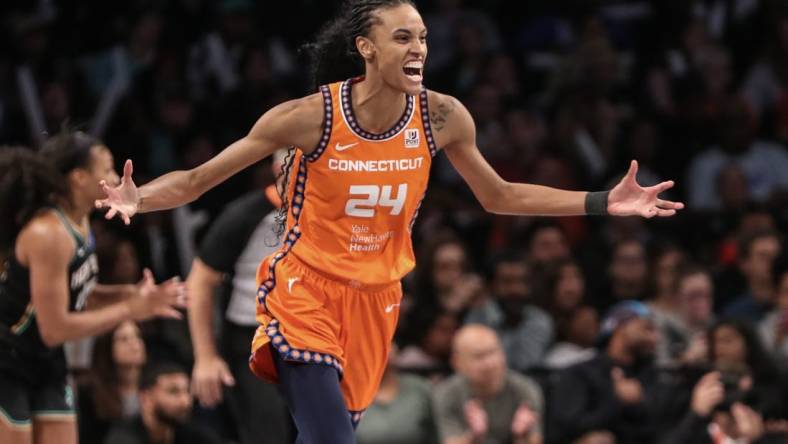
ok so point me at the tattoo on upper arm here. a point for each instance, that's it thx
(439, 118)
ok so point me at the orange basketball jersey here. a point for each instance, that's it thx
(354, 199)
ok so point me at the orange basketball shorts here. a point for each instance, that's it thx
(309, 318)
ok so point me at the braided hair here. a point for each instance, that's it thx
(333, 54)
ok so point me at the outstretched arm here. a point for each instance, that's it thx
(296, 122)
(499, 196)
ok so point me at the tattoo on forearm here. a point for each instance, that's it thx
(439, 118)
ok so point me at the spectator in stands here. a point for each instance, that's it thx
(447, 279)
(402, 410)
(706, 422)
(430, 350)
(526, 331)
(696, 293)
(562, 290)
(165, 406)
(664, 304)
(485, 402)
(763, 162)
(618, 390)
(774, 327)
(735, 350)
(575, 339)
(741, 400)
(757, 252)
(111, 392)
(734, 189)
(444, 289)
(627, 275)
(665, 268)
(546, 242)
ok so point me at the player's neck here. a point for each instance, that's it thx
(376, 105)
(74, 210)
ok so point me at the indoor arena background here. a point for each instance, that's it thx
(564, 93)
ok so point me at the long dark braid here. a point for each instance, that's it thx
(333, 54)
(281, 217)
(28, 183)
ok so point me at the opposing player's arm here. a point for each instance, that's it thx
(455, 132)
(103, 295)
(47, 250)
(296, 122)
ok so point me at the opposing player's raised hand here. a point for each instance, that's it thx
(628, 198)
(123, 199)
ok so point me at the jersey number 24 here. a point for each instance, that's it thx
(372, 196)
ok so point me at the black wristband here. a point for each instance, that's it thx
(596, 203)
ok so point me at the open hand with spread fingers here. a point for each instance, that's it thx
(123, 199)
(628, 198)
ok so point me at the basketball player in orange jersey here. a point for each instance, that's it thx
(328, 299)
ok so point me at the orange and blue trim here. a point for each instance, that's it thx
(425, 121)
(288, 353)
(292, 236)
(280, 344)
(346, 108)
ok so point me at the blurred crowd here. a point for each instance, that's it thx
(513, 329)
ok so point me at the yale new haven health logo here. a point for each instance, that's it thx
(412, 138)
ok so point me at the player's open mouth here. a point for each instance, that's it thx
(413, 70)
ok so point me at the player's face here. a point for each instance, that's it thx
(399, 46)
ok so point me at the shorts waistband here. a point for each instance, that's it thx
(350, 283)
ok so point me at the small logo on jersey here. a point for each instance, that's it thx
(290, 283)
(391, 307)
(412, 138)
(345, 147)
